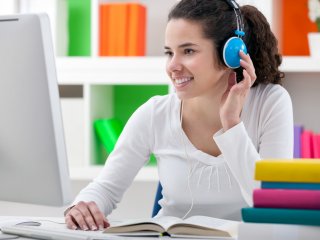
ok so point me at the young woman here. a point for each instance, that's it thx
(207, 135)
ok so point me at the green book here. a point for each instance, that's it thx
(108, 131)
(281, 215)
(79, 24)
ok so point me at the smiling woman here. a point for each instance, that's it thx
(207, 135)
(190, 57)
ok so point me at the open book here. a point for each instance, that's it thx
(196, 226)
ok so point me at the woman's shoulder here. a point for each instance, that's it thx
(270, 90)
(162, 102)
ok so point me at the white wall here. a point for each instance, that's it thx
(136, 203)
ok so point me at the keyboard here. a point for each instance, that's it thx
(55, 233)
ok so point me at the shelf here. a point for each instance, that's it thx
(141, 70)
(300, 64)
(112, 70)
(88, 173)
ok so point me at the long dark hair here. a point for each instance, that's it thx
(218, 22)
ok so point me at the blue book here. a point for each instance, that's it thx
(290, 185)
(281, 215)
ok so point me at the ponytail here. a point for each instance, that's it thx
(262, 46)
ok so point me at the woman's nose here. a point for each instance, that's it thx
(174, 64)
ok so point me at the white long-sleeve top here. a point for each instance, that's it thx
(217, 186)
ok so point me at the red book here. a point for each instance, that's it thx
(285, 198)
(316, 145)
(306, 144)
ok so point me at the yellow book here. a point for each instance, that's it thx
(297, 170)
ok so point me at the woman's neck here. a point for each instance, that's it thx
(204, 109)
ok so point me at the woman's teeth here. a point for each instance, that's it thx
(182, 80)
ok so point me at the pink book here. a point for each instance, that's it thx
(285, 198)
(316, 145)
(306, 144)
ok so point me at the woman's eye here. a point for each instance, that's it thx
(168, 53)
(188, 51)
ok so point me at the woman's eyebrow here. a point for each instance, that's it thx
(183, 45)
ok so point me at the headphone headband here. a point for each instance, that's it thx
(235, 6)
(234, 44)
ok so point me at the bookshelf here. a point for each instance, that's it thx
(302, 82)
(87, 84)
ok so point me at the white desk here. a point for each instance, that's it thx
(54, 223)
(247, 231)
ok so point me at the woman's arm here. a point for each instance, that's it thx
(275, 129)
(131, 153)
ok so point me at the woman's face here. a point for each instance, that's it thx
(192, 64)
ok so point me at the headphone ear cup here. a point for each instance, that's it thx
(231, 50)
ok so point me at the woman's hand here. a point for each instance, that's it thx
(86, 216)
(234, 97)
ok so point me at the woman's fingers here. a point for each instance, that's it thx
(78, 218)
(100, 220)
(248, 82)
(245, 57)
(71, 224)
(247, 64)
(86, 216)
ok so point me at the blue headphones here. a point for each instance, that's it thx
(234, 44)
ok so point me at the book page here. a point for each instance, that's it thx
(210, 222)
(167, 221)
(205, 226)
(160, 224)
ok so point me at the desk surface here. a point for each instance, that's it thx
(58, 223)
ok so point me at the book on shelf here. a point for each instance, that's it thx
(298, 129)
(269, 231)
(195, 226)
(117, 29)
(122, 29)
(296, 170)
(104, 12)
(79, 25)
(306, 144)
(286, 198)
(281, 215)
(316, 145)
(137, 30)
(290, 185)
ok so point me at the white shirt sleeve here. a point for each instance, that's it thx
(275, 140)
(131, 153)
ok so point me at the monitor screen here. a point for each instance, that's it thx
(33, 159)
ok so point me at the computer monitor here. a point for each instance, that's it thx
(33, 159)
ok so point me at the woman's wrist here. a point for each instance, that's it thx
(230, 123)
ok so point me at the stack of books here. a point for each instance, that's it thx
(290, 192)
(289, 195)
